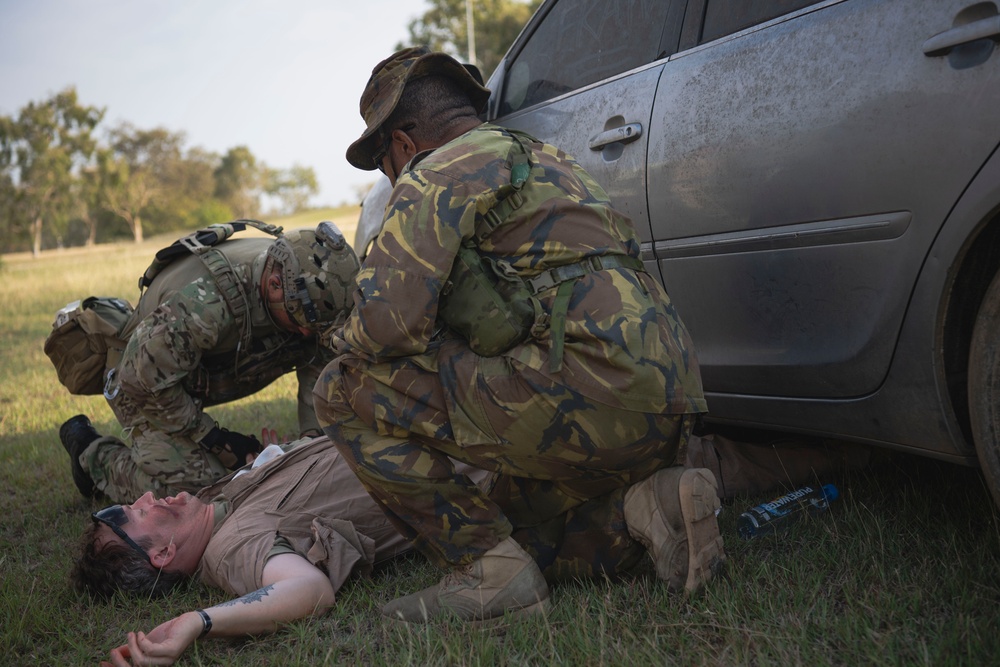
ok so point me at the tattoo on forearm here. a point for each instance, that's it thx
(249, 598)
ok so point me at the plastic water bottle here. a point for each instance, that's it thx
(783, 511)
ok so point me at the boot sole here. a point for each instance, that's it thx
(699, 500)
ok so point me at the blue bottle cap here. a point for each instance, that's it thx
(831, 492)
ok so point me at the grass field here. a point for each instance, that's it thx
(904, 569)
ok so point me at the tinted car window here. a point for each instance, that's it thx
(580, 42)
(723, 17)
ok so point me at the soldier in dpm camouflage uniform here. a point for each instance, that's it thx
(503, 318)
(201, 336)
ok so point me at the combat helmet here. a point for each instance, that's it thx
(318, 269)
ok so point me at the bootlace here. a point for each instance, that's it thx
(461, 575)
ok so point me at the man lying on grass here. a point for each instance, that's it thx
(283, 536)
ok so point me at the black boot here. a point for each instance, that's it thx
(76, 435)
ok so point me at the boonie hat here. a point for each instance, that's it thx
(385, 87)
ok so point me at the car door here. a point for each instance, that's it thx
(583, 76)
(799, 170)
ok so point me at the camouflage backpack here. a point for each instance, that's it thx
(84, 341)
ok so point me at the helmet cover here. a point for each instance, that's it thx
(318, 270)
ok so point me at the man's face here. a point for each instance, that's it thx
(396, 149)
(274, 296)
(163, 522)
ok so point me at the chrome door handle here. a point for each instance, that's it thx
(622, 135)
(943, 42)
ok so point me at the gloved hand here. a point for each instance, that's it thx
(231, 447)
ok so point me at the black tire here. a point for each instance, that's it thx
(984, 386)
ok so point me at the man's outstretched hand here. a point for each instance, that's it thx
(162, 646)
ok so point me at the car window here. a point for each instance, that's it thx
(723, 17)
(580, 42)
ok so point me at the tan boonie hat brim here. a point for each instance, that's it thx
(385, 87)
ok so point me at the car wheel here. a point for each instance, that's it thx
(984, 386)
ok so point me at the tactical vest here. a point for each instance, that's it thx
(256, 361)
(202, 244)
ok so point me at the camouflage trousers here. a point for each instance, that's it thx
(562, 461)
(152, 461)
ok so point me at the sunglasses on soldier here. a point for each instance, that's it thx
(379, 155)
(113, 516)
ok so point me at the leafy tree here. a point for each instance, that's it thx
(210, 212)
(188, 190)
(87, 198)
(135, 171)
(53, 170)
(238, 182)
(10, 227)
(293, 187)
(444, 27)
(41, 153)
(127, 193)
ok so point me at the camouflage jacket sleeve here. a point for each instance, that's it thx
(428, 214)
(167, 345)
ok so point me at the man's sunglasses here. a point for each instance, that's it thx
(379, 155)
(113, 516)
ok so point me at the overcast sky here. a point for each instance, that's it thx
(282, 77)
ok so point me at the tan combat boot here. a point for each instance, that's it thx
(672, 513)
(504, 579)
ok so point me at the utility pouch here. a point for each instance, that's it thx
(84, 342)
(488, 304)
(485, 300)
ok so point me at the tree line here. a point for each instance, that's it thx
(65, 182)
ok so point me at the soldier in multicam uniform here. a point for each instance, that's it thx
(188, 348)
(582, 421)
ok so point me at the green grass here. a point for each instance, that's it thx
(902, 571)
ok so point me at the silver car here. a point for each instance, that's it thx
(817, 184)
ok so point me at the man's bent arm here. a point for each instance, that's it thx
(293, 588)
